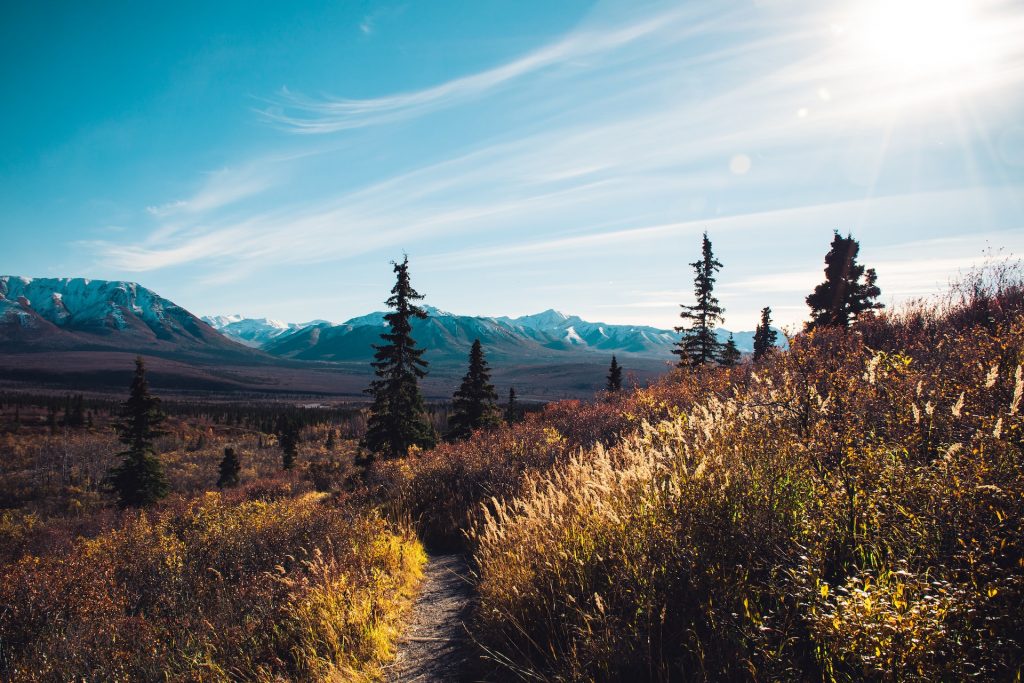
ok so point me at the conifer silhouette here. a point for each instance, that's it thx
(474, 405)
(287, 430)
(699, 344)
(730, 354)
(397, 417)
(848, 290)
(230, 466)
(512, 407)
(614, 376)
(139, 479)
(765, 338)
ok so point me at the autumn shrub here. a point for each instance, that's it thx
(213, 589)
(438, 489)
(839, 512)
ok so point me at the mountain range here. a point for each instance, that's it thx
(79, 333)
(448, 336)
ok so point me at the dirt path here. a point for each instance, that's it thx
(435, 646)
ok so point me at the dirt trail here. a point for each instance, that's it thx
(436, 643)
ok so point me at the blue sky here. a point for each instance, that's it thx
(270, 159)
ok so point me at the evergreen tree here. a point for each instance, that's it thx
(765, 338)
(397, 417)
(139, 479)
(699, 344)
(512, 407)
(848, 289)
(230, 466)
(51, 419)
(329, 444)
(474, 405)
(730, 353)
(287, 431)
(614, 376)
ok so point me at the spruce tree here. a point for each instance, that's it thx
(474, 405)
(699, 344)
(397, 417)
(230, 466)
(848, 290)
(288, 438)
(765, 338)
(614, 376)
(730, 352)
(512, 407)
(139, 479)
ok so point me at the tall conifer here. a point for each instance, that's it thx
(765, 338)
(474, 405)
(397, 417)
(139, 479)
(614, 376)
(287, 430)
(229, 468)
(848, 289)
(512, 407)
(699, 344)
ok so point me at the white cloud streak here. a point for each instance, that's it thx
(300, 114)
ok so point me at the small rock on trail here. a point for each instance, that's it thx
(436, 643)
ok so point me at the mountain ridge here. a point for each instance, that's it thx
(78, 332)
(549, 330)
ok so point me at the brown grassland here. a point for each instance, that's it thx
(848, 509)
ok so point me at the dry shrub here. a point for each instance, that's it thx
(438, 489)
(212, 590)
(837, 513)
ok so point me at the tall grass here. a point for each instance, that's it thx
(837, 513)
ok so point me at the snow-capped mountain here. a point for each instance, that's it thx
(574, 331)
(83, 334)
(43, 313)
(546, 336)
(255, 332)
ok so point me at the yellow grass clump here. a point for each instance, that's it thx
(213, 590)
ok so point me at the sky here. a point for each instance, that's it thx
(272, 159)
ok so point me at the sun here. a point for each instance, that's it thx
(920, 37)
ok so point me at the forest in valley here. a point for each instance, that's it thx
(842, 504)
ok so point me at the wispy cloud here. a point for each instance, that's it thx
(298, 113)
(221, 188)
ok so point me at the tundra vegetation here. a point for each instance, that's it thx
(846, 509)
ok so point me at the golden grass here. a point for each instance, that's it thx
(210, 590)
(838, 513)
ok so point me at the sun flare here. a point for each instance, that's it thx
(921, 37)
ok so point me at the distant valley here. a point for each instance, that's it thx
(77, 333)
